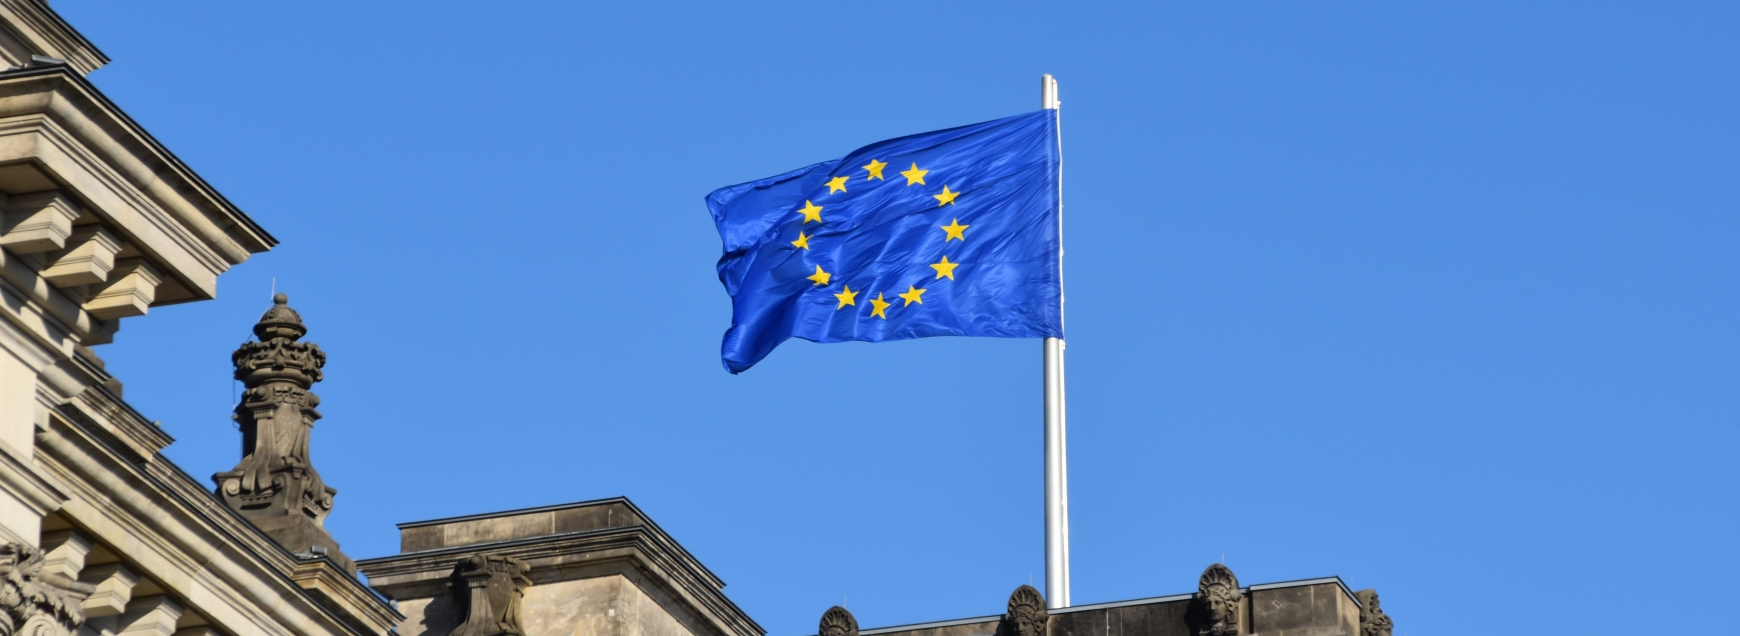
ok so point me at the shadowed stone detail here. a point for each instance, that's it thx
(1372, 619)
(837, 622)
(275, 485)
(1026, 615)
(1215, 610)
(33, 602)
(489, 588)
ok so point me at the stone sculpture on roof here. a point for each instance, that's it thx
(489, 588)
(1215, 610)
(1372, 619)
(275, 485)
(1026, 615)
(838, 622)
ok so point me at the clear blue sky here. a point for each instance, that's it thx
(1442, 298)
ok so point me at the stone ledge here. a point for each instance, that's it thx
(568, 556)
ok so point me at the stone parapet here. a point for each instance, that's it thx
(599, 567)
(1312, 607)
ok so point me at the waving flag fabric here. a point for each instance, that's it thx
(946, 233)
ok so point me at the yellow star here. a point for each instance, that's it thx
(837, 184)
(877, 305)
(912, 296)
(812, 212)
(804, 241)
(875, 169)
(822, 277)
(846, 297)
(914, 175)
(945, 268)
(955, 230)
(946, 198)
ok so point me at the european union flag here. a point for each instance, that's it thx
(947, 233)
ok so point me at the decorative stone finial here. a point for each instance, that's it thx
(1026, 615)
(837, 622)
(35, 603)
(1215, 610)
(489, 587)
(275, 485)
(1372, 619)
(280, 322)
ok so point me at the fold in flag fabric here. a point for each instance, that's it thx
(947, 233)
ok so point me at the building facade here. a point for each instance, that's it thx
(101, 535)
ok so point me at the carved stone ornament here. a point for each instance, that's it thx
(1026, 615)
(1372, 619)
(1215, 610)
(837, 622)
(489, 588)
(276, 476)
(33, 603)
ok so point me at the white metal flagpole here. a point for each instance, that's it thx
(1056, 455)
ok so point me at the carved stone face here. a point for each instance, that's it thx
(1026, 623)
(1222, 611)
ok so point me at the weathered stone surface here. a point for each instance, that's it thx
(1313, 609)
(837, 621)
(130, 290)
(36, 222)
(275, 485)
(537, 522)
(1218, 606)
(1318, 607)
(597, 567)
(33, 602)
(1372, 619)
(86, 260)
(1026, 615)
(491, 588)
(114, 583)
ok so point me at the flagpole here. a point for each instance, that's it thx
(1056, 455)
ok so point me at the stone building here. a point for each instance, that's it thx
(101, 535)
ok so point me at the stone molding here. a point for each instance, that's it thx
(34, 602)
(22, 481)
(54, 125)
(186, 540)
(46, 33)
(36, 222)
(574, 555)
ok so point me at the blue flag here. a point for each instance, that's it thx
(947, 233)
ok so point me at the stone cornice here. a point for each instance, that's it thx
(51, 34)
(141, 438)
(355, 602)
(19, 478)
(115, 149)
(46, 316)
(182, 537)
(422, 573)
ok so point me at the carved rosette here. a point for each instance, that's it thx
(489, 588)
(837, 622)
(277, 414)
(1372, 619)
(1026, 615)
(1215, 610)
(33, 603)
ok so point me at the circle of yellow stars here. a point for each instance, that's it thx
(848, 297)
